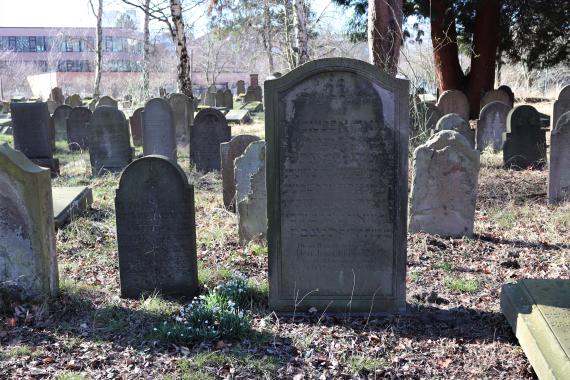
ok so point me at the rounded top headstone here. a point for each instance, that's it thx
(133, 172)
(522, 116)
(209, 112)
(451, 122)
(563, 124)
(564, 93)
(454, 101)
(496, 96)
(494, 106)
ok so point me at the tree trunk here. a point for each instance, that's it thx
(301, 31)
(179, 39)
(146, 63)
(385, 33)
(99, 48)
(289, 51)
(267, 38)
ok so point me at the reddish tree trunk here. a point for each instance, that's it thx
(385, 33)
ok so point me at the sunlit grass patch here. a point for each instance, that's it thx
(461, 285)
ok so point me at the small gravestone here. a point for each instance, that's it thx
(74, 101)
(135, 122)
(183, 113)
(561, 105)
(229, 151)
(156, 231)
(27, 241)
(159, 135)
(491, 126)
(454, 101)
(538, 311)
(337, 139)
(220, 99)
(238, 116)
(209, 131)
(454, 122)
(253, 94)
(69, 202)
(56, 95)
(251, 203)
(228, 99)
(107, 101)
(240, 87)
(59, 118)
(77, 132)
(496, 96)
(33, 134)
(525, 140)
(509, 92)
(559, 168)
(444, 187)
(109, 141)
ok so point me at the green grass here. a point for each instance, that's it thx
(155, 305)
(461, 285)
(19, 351)
(358, 363)
(71, 376)
(445, 265)
(414, 276)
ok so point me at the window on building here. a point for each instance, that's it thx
(108, 43)
(12, 43)
(40, 44)
(22, 44)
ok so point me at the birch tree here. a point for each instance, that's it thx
(98, 46)
(300, 16)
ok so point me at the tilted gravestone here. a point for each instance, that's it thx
(509, 92)
(220, 100)
(135, 122)
(109, 141)
(559, 168)
(229, 151)
(210, 129)
(454, 101)
(337, 138)
(33, 134)
(107, 101)
(77, 132)
(525, 140)
(495, 96)
(74, 100)
(159, 135)
(228, 99)
(444, 187)
(561, 105)
(27, 235)
(183, 113)
(156, 231)
(240, 87)
(59, 118)
(491, 126)
(454, 122)
(251, 194)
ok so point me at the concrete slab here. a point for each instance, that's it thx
(238, 116)
(70, 201)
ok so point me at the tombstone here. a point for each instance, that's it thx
(70, 201)
(454, 122)
(337, 139)
(228, 99)
(156, 230)
(210, 129)
(135, 122)
(74, 100)
(220, 99)
(183, 112)
(162, 92)
(509, 92)
(525, 140)
(238, 116)
(253, 94)
(229, 151)
(77, 132)
(27, 236)
(444, 187)
(433, 114)
(159, 135)
(59, 118)
(240, 87)
(107, 101)
(51, 105)
(561, 105)
(496, 96)
(559, 168)
(57, 96)
(251, 195)
(491, 126)
(33, 134)
(210, 99)
(538, 311)
(109, 141)
(454, 101)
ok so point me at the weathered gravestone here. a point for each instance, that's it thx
(77, 132)
(229, 151)
(159, 135)
(454, 101)
(559, 166)
(107, 101)
(444, 187)
(135, 122)
(183, 113)
(209, 131)
(454, 122)
(539, 314)
(210, 99)
(156, 231)
(109, 141)
(337, 139)
(70, 201)
(525, 140)
(491, 126)
(240, 87)
(74, 100)
(561, 105)
(33, 134)
(56, 95)
(220, 99)
(238, 116)
(59, 118)
(495, 96)
(228, 99)
(27, 236)
(251, 193)
(509, 92)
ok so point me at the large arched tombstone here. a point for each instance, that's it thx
(454, 122)
(159, 135)
(491, 126)
(59, 118)
(210, 129)
(337, 139)
(495, 96)
(109, 141)
(74, 100)
(156, 230)
(183, 112)
(559, 165)
(454, 101)
(107, 101)
(27, 236)
(77, 132)
(135, 122)
(525, 140)
(509, 92)
(561, 105)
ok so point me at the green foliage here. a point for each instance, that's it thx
(461, 285)
(359, 363)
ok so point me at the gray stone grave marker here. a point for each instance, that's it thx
(561, 105)
(210, 129)
(525, 140)
(159, 134)
(251, 198)
(77, 132)
(491, 126)
(228, 99)
(107, 101)
(559, 167)
(183, 113)
(229, 151)
(135, 122)
(454, 122)
(454, 101)
(59, 118)
(496, 96)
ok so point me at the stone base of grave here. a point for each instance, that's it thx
(51, 163)
(238, 116)
(539, 313)
(69, 202)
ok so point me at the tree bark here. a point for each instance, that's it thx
(385, 19)
(98, 49)
(267, 38)
(146, 63)
(179, 39)
(301, 31)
